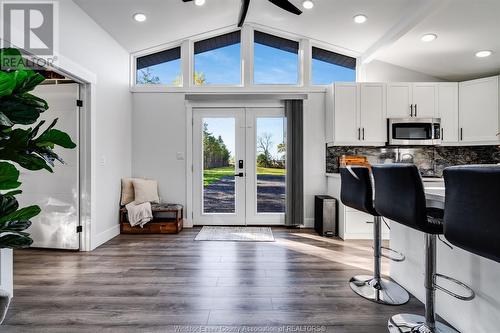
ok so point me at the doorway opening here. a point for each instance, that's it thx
(239, 169)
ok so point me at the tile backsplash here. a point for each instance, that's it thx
(431, 161)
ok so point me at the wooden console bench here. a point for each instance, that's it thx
(160, 224)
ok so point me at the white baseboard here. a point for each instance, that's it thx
(105, 236)
(309, 222)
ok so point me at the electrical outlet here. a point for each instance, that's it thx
(180, 156)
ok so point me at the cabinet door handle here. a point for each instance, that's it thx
(461, 134)
(411, 110)
(359, 133)
(415, 110)
(442, 134)
(363, 133)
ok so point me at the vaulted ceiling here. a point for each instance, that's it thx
(392, 32)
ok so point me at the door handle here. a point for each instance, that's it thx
(415, 110)
(240, 174)
(411, 110)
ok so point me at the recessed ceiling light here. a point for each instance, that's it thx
(360, 18)
(139, 17)
(308, 4)
(199, 2)
(428, 37)
(483, 53)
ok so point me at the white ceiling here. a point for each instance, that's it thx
(463, 27)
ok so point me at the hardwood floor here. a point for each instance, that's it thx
(151, 283)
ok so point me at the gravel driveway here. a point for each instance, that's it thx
(219, 196)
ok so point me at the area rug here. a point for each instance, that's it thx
(238, 234)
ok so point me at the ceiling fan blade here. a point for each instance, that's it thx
(287, 5)
(243, 12)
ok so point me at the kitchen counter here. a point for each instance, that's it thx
(469, 268)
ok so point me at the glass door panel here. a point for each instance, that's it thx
(218, 183)
(270, 164)
(218, 165)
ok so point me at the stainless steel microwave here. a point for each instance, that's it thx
(414, 131)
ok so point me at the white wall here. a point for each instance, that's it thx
(314, 153)
(379, 71)
(159, 133)
(86, 44)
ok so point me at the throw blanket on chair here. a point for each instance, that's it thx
(139, 214)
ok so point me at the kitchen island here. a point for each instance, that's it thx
(478, 315)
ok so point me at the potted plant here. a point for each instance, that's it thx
(31, 148)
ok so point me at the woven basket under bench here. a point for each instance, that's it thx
(167, 219)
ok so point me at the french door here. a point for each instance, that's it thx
(239, 166)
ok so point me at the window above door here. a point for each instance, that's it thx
(248, 57)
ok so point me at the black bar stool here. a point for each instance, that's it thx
(356, 192)
(400, 197)
(472, 209)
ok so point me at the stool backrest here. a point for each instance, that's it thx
(472, 209)
(356, 190)
(400, 196)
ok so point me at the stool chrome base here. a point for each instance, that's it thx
(382, 291)
(409, 323)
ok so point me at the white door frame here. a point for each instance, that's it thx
(87, 81)
(226, 101)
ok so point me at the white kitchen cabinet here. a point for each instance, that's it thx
(373, 121)
(353, 224)
(448, 112)
(479, 111)
(358, 114)
(346, 129)
(399, 100)
(407, 100)
(425, 100)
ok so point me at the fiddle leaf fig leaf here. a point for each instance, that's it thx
(55, 137)
(16, 225)
(7, 84)
(9, 176)
(13, 193)
(25, 213)
(14, 240)
(8, 205)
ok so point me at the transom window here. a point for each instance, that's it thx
(276, 59)
(328, 67)
(217, 60)
(160, 68)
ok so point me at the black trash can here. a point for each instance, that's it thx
(325, 215)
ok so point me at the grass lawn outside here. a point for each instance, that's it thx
(212, 175)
